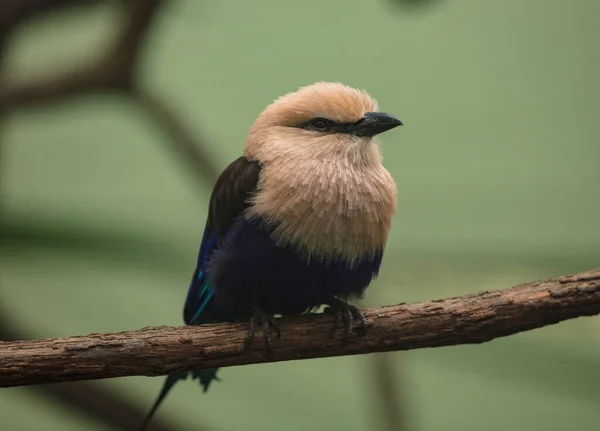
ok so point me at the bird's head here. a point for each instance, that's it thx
(322, 120)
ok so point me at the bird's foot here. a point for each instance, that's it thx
(347, 317)
(267, 323)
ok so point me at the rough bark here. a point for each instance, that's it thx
(474, 318)
(95, 400)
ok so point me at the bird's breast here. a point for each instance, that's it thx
(331, 211)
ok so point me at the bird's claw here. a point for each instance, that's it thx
(347, 317)
(267, 323)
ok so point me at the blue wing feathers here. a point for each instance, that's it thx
(227, 203)
(200, 292)
(204, 297)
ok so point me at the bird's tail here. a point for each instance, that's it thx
(167, 386)
(205, 377)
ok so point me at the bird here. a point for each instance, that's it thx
(299, 221)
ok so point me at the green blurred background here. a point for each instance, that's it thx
(497, 170)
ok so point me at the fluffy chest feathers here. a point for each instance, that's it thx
(327, 208)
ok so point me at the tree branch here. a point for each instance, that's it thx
(390, 398)
(192, 150)
(113, 71)
(14, 12)
(474, 318)
(95, 400)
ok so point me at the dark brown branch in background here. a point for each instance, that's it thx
(468, 319)
(390, 398)
(196, 156)
(386, 376)
(114, 71)
(106, 406)
(14, 12)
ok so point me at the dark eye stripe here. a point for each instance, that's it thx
(318, 124)
(325, 125)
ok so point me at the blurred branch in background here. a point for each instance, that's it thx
(385, 377)
(468, 319)
(413, 5)
(114, 71)
(192, 151)
(14, 12)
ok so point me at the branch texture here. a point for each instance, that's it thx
(474, 318)
(95, 400)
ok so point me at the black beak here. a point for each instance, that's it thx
(373, 123)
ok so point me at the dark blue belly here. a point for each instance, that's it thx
(250, 270)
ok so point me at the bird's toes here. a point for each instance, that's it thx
(360, 321)
(268, 324)
(348, 318)
(337, 320)
(251, 333)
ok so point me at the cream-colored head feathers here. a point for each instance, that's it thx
(329, 194)
(335, 101)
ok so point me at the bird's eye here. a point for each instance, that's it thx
(319, 124)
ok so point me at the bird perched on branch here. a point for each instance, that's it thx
(299, 221)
